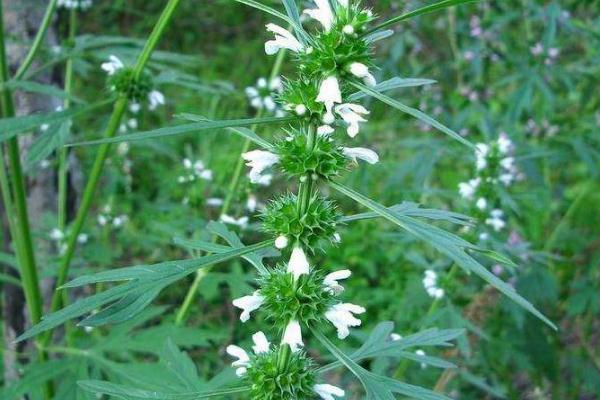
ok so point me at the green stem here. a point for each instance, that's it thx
(231, 193)
(111, 130)
(37, 41)
(17, 209)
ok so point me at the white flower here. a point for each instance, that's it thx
(481, 152)
(430, 285)
(82, 238)
(348, 29)
(134, 108)
(241, 222)
(352, 115)
(337, 238)
(326, 391)
(298, 264)
(251, 203)
(283, 40)
(325, 130)
(243, 360)
(281, 242)
(102, 220)
(329, 94)
(258, 161)
(112, 65)
(395, 337)
(57, 234)
(342, 317)
(264, 180)
(155, 99)
(214, 202)
(293, 336)
(421, 353)
(508, 163)
(248, 304)
(481, 203)
(331, 280)
(507, 178)
(496, 220)
(367, 155)
(261, 344)
(322, 13)
(119, 220)
(467, 189)
(132, 123)
(361, 71)
(300, 109)
(262, 95)
(504, 143)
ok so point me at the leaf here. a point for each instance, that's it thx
(376, 386)
(6, 278)
(40, 88)
(292, 11)
(10, 127)
(253, 137)
(46, 143)
(413, 210)
(379, 344)
(393, 83)
(34, 376)
(420, 11)
(125, 392)
(414, 112)
(376, 36)
(140, 279)
(446, 243)
(202, 125)
(267, 9)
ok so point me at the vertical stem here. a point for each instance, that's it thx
(17, 208)
(231, 192)
(111, 130)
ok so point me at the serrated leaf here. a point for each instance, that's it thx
(420, 115)
(46, 143)
(448, 244)
(391, 84)
(376, 386)
(125, 392)
(414, 210)
(140, 279)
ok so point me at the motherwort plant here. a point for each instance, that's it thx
(298, 297)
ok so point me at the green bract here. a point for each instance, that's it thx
(301, 92)
(123, 81)
(319, 221)
(323, 158)
(304, 300)
(269, 381)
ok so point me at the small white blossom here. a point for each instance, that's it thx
(119, 220)
(155, 99)
(430, 284)
(325, 130)
(214, 202)
(395, 337)
(421, 353)
(322, 13)
(342, 317)
(134, 108)
(481, 152)
(248, 304)
(292, 336)
(56, 234)
(331, 281)
(258, 161)
(467, 189)
(262, 95)
(481, 203)
(112, 65)
(361, 153)
(241, 222)
(251, 203)
(504, 143)
(298, 264)
(496, 220)
(352, 114)
(348, 29)
(283, 40)
(361, 71)
(102, 220)
(281, 242)
(329, 94)
(82, 238)
(326, 391)
(261, 345)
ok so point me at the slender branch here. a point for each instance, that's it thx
(17, 208)
(231, 193)
(111, 130)
(37, 41)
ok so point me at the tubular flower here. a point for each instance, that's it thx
(352, 115)
(292, 336)
(248, 304)
(112, 65)
(284, 39)
(261, 345)
(298, 264)
(342, 317)
(329, 94)
(326, 391)
(322, 13)
(331, 281)
(258, 161)
(361, 71)
(361, 153)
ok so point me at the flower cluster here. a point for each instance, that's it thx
(263, 95)
(430, 283)
(106, 218)
(74, 4)
(59, 237)
(495, 165)
(121, 80)
(194, 170)
(332, 63)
